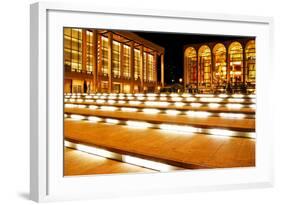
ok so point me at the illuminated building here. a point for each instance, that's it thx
(211, 67)
(110, 61)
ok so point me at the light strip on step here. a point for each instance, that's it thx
(236, 100)
(179, 128)
(138, 124)
(172, 112)
(234, 106)
(135, 102)
(108, 108)
(129, 109)
(253, 106)
(213, 105)
(191, 99)
(237, 95)
(94, 119)
(200, 114)
(151, 98)
(176, 99)
(204, 99)
(146, 163)
(111, 121)
(77, 117)
(140, 98)
(150, 111)
(179, 104)
(111, 101)
(100, 101)
(195, 104)
(223, 95)
(89, 101)
(156, 103)
(70, 106)
(232, 115)
(92, 150)
(121, 102)
(151, 94)
(221, 132)
(93, 107)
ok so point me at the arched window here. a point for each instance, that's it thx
(250, 52)
(204, 65)
(219, 72)
(190, 59)
(235, 51)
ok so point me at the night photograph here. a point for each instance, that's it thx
(148, 102)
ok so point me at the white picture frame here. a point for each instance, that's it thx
(46, 101)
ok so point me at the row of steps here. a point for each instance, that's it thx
(178, 150)
(224, 135)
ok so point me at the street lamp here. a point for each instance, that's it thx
(180, 80)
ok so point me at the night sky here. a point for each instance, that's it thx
(174, 45)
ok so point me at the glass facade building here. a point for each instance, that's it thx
(110, 61)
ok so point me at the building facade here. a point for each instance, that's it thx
(218, 66)
(110, 61)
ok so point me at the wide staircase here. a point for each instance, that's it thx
(163, 132)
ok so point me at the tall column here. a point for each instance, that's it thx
(147, 68)
(197, 72)
(155, 68)
(244, 65)
(213, 64)
(121, 66)
(162, 70)
(84, 50)
(95, 59)
(141, 67)
(109, 62)
(132, 66)
(185, 65)
(99, 71)
(227, 66)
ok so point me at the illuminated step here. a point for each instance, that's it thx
(168, 126)
(157, 164)
(164, 99)
(167, 111)
(230, 105)
(165, 95)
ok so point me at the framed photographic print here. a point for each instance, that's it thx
(127, 102)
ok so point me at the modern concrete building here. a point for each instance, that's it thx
(110, 61)
(211, 67)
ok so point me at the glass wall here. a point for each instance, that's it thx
(191, 65)
(219, 57)
(104, 55)
(204, 65)
(145, 66)
(116, 59)
(126, 62)
(150, 68)
(250, 52)
(73, 49)
(89, 63)
(137, 64)
(236, 62)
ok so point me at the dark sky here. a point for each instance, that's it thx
(174, 44)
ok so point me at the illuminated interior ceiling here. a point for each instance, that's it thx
(190, 52)
(251, 49)
(204, 51)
